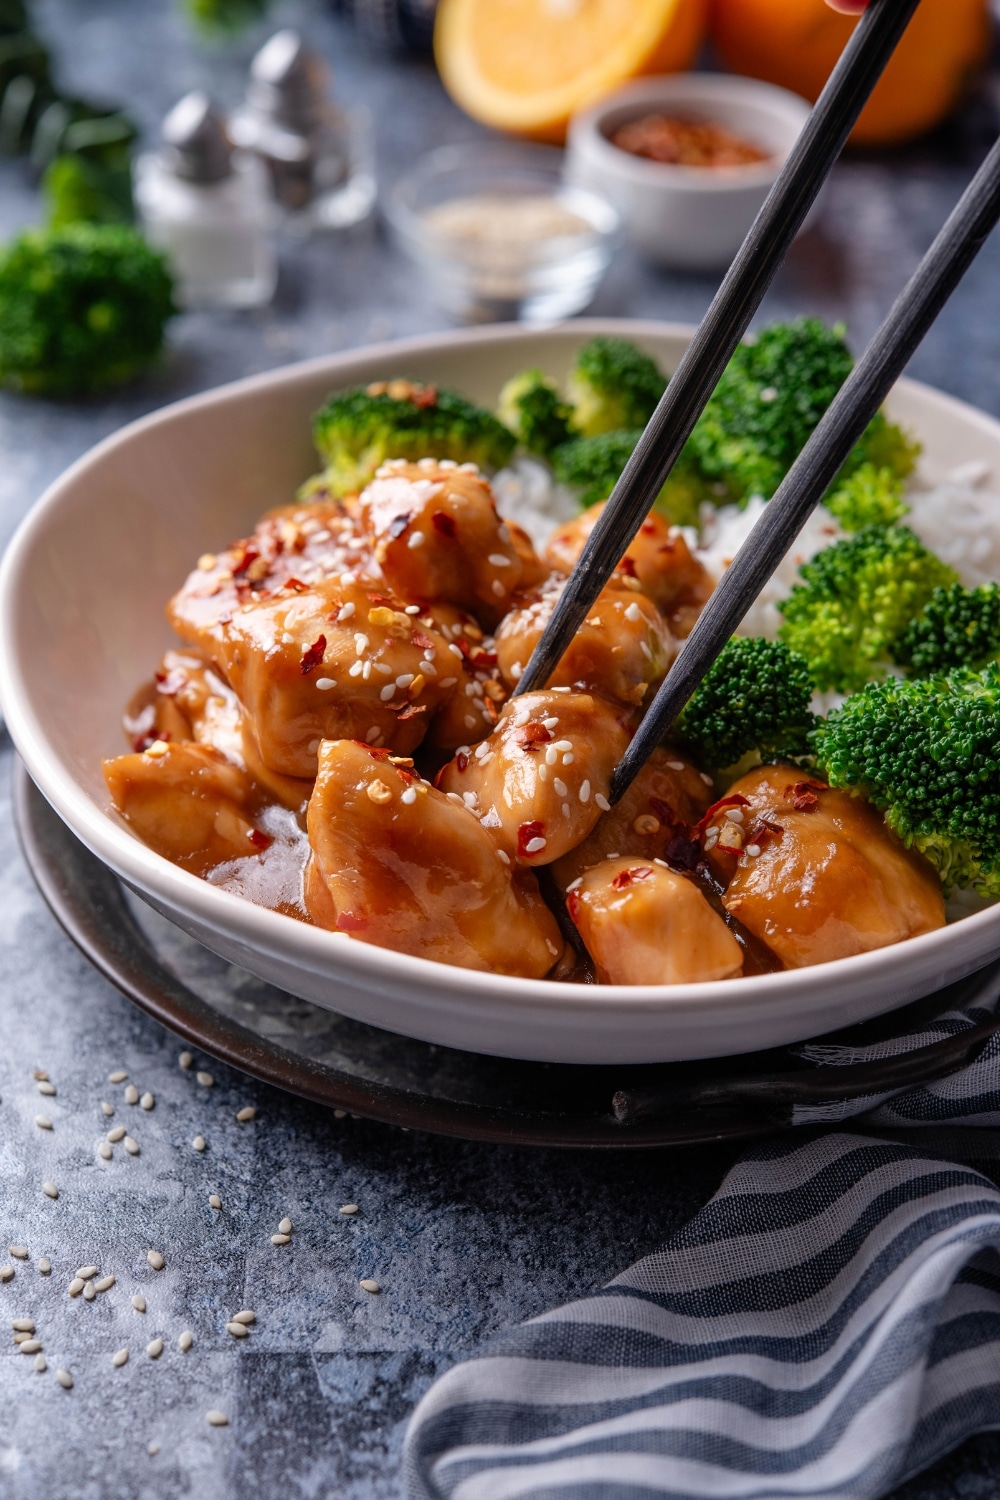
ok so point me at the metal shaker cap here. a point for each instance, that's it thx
(289, 83)
(198, 146)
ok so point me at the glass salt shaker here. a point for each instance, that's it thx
(318, 155)
(207, 206)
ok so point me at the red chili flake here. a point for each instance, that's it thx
(764, 833)
(348, 922)
(648, 527)
(406, 776)
(803, 795)
(442, 522)
(627, 566)
(312, 655)
(170, 683)
(377, 752)
(398, 524)
(424, 396)
(492, 712)
(626, 877)
(483, 659)
(385, 601)
(666, 814)
(528, 831)
(423, 640)
(573, 904)
(681, 851)
(530, 736)
(250, 555)
(259, 840)
(462, 761)
(296, 585)
(735, 800)
(410, 711)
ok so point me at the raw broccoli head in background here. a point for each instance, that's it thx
(82, 308)
(592, 466)
(956, 628)
(613, 387)
(755, 697)
(855, 600)
(359, 429)
(222, 17)
(927, 751)
(868, 496)
(530, 405)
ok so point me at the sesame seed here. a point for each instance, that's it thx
(324, 684)
(355, 671)
(155, 1259)
(340, 1114)
(138, 1302)
(753, 850)
(448, 681)
(248, 1112)
(534, 846)
(706, 779)
(65, 1379)
(373, 734)
(131, 1094)
(734, 814)
(121, 1075)
(368, 1285)
(153, 1449)
(455, 650)
(120, 1358)
(568, 759)
(50, 1190)
(503, 856)
(246, 1316)
(281, 1239)
(154, 1348)
(107, 1109)
(44, 1266)
(560, 787)
(88, 1291)
(389, 691)
(21, 1338)
(186, 1060)
(105, 1284)
(76, 1286)
(131, 1145)
(46, 1088)
(499, 560)
(147, 1101)
(285, 1227)
(43, 1122)
(633, 612)
(86, 1272)
(214, 1201)
(409, 796)
(23, 1325)
(602, 802)
(105, 1151)
(345, 612)
(584, 792)
(19, 1252)
(348, 1208)
(205, 1079)
(185, 1341)
(416, 539)
(31, 1346)
(199, 1143)
(675, 765)
(116, 1134)
(216, 1418)
(360, 644)
(41, 1364)
(6, 1272)
(238, 1330)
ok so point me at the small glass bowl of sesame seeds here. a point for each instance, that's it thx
(499, 236)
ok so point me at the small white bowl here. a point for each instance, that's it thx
(82, 623)
(685, 218)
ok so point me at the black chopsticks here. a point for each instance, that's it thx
(806, 482)
(871, 45)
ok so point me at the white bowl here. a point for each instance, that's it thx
(686, 218)
(82, 590)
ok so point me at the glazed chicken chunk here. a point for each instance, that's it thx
(622, 649)
(642, 923)
(658, 558)
(540, 781)
(398, 864)
(814, 872)
(337, 661)
(436, 535)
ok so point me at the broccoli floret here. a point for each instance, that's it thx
(359, 429)
(855, 600)
(957, 628)
(885, 445)
(867, 497)
(755, 697)
(225, 17)
(613, 387)
(592, 466)
(81, 309)
(530, 405)
(927, 751)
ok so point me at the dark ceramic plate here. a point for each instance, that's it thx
(347, 1065)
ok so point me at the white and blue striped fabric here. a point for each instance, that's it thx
(826, 1326)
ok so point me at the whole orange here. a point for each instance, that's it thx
(795, 43)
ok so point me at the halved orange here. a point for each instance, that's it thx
(526, 66)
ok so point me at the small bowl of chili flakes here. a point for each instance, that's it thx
(687, 160)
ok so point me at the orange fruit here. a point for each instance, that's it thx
(526, 66)
(795, 43)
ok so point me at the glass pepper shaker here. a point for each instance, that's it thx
(208, 207)
(318, 155)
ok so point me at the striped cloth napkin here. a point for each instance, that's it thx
(827, 1325)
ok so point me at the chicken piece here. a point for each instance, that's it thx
(187, 802)
(298, 543)
(644, 924)
(815, 872)
(659, 559)
(540, 781)
(657, 813)
(336, 661)
(622, 649)
(436, 534)
(398, 864)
